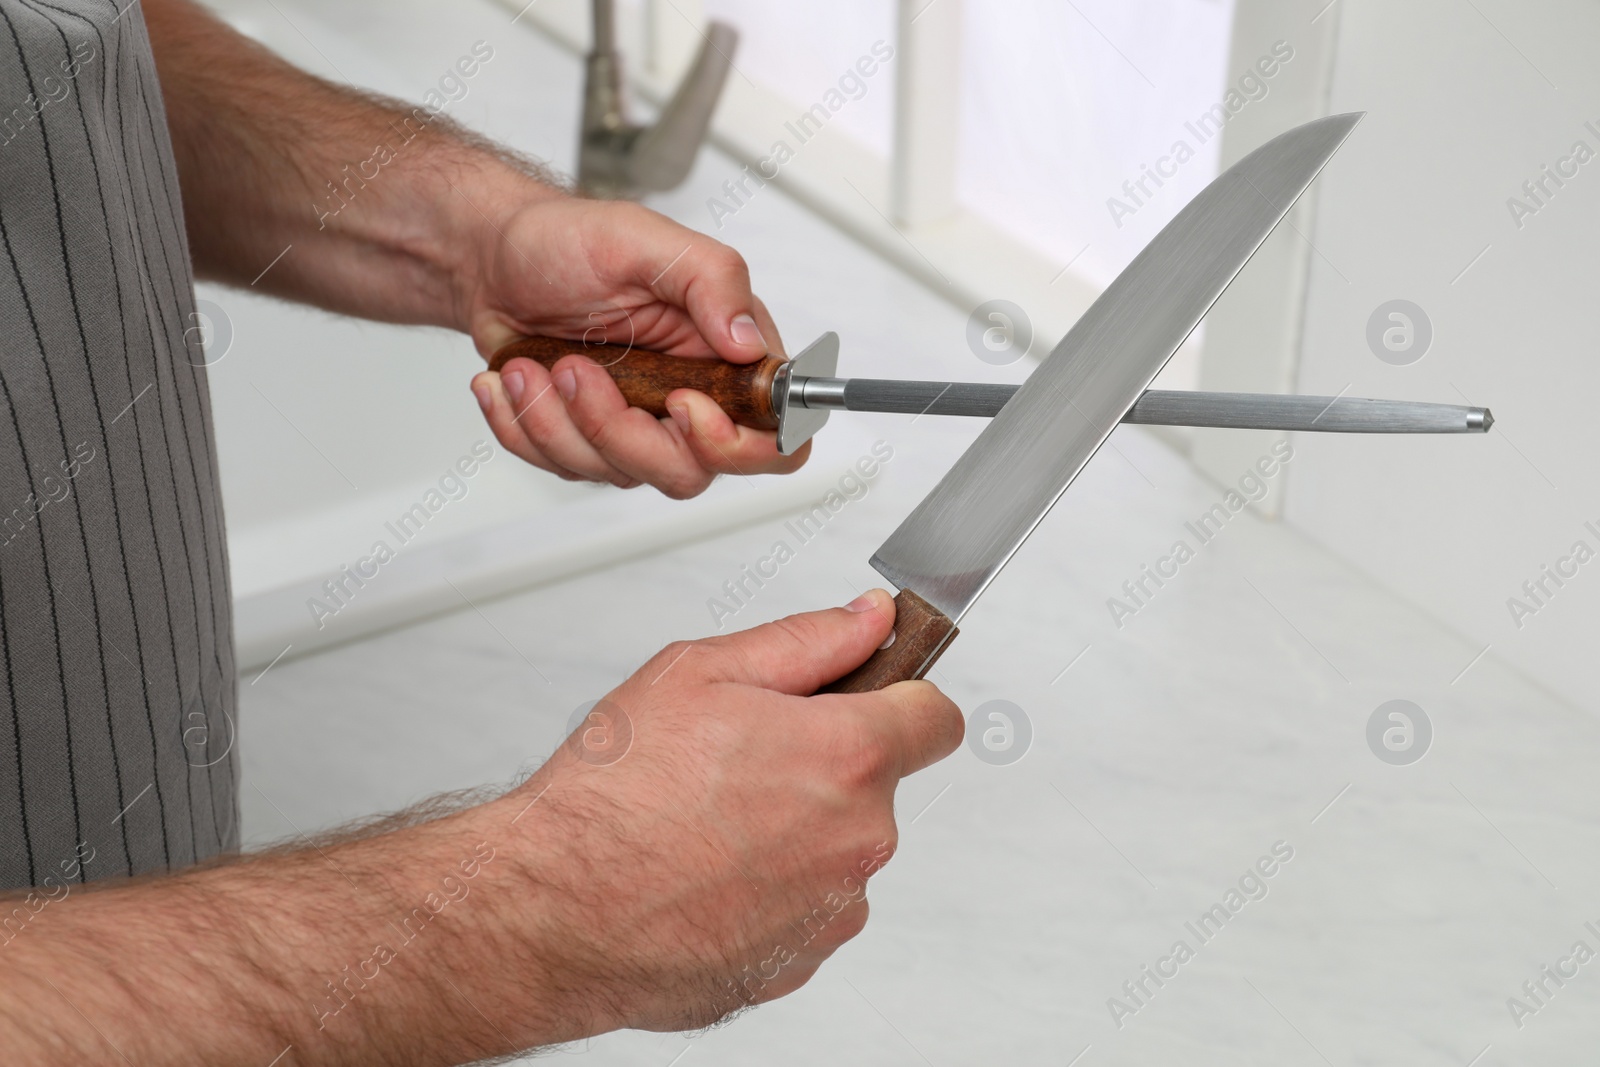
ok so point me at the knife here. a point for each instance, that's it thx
(1043, 432)
(948, 550)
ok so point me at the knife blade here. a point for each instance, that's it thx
(948, 550)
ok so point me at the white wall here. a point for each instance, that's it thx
(1466, 101)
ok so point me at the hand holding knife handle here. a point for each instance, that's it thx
(921, 634)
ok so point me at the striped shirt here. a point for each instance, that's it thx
(117, 679)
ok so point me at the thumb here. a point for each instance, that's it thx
(800, 654)
(711, 282)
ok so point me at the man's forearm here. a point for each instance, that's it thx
(379, 203)
(392, 949)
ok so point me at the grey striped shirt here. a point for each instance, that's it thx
(117, 680)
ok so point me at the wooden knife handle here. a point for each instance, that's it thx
(921, 634)
(743, 390)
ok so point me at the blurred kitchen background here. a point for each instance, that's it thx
(1121, 770)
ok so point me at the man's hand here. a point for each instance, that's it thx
(702, 843)
(705, 838)
(454, 231)
(623, 274)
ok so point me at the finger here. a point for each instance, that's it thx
(540, 410)
(629, 439)
(922, 725)
(769, 328)
(711, 282)
(721, 445)
(501, 417)
(799, 654)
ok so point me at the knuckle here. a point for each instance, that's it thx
(879, 840)
(512, 439)
(710, 461)
(852, 919)
(730, 261)
(684, 484)
(955, 726)
(935, 718)
(677, 661)
(950, 726)
(602, 434)
(736, 658)
(889, 846)
(731, 460)
(798, 632)
(633, 215)
(539, 424)
(863, 756)
(676, 650)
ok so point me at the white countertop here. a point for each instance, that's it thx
(1222, 718)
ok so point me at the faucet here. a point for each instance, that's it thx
(620, 160)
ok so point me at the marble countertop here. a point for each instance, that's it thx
(1226, 716)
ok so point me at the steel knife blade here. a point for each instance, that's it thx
(948, 550)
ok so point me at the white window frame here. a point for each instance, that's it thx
(905, 207)
(1253, 336)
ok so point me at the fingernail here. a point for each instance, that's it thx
(514, 385)
(485, 399)
(566, 384)
(681, 417)
(887, 641)
(746, 332)
(860, 603)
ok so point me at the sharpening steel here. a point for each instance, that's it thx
(796, 396)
